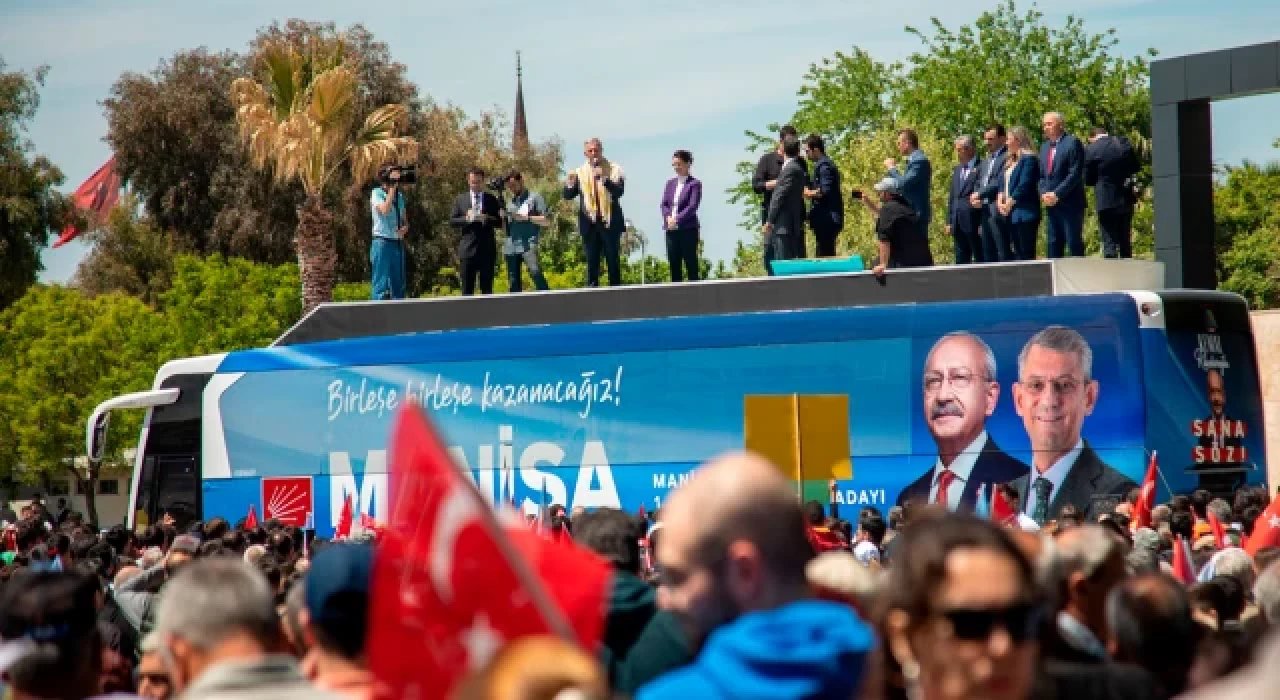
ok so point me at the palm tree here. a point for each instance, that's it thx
(299, 122)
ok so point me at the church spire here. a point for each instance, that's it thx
(520, 138)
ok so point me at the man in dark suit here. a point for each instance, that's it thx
(960, 393)
(826, 203)
(1062, 187)
(476, 214)
(997, 240)
(1054, 393)
(599, 184)
(1109, 167)
(784, 222)
(964, 223)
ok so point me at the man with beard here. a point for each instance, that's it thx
(733, 556)
(960, 393)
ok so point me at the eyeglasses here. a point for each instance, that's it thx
(959, 379)
(1020, 620)
(154, 678)
(1063, 386)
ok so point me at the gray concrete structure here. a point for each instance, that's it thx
(1182, 89)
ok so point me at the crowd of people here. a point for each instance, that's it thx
(995, 206)
(734, 589)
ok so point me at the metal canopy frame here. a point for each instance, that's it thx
(1182, 90)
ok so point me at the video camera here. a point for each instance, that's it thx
(398, 175)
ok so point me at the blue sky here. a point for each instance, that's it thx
(646, 77)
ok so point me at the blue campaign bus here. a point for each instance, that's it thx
(592, 398)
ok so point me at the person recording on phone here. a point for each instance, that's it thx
(390, 226)
(526, 215)
(476, 214)
(901, 240)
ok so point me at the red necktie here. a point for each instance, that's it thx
(1053, 147)
(944, 483)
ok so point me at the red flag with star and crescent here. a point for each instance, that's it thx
(453, 581)
(96, 196)
(1146, 497)
(1266, 529)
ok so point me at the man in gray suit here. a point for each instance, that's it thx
(1054, 392)
(784, 222)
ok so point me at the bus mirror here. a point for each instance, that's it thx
(98, 439)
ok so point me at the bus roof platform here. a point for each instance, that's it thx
(337, 321)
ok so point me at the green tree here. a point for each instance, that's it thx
(29, 205)
(61, 353)
(218, 304)
(130, 254)
(1246, 224)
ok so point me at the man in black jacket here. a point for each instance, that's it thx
(1109, 167)
(784, 220)
(477, 214)
(765, 181)
(641, 642)
(826, 207)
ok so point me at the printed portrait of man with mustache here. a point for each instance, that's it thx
(960, 393)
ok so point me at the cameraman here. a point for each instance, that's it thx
(901, 240)
(526, 215)
(390, 225)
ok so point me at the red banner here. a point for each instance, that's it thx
(288, 499)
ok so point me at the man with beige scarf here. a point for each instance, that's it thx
(599, 185)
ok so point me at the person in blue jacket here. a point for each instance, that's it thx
(1062, 187)
(733, 553)
(1019, 198)
(913, 177)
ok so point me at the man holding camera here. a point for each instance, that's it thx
(599, 185)
(901, 240)
(390, 225)
(476, 214)
(526, 215)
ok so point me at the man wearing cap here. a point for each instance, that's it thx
(333, 620)
(899, 236)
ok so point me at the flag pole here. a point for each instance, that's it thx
(1163, 480)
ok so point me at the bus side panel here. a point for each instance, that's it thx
(620, 427)
(1197, 357)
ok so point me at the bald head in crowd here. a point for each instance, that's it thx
(734, 542)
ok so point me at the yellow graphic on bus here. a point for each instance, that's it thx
(805, 435)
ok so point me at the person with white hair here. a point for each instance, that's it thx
(218, 630)
(1266, 593)
(1062, 187)
(1090, 563)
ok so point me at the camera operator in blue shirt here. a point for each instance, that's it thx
(390, 225)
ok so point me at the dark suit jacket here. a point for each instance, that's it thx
(961, 216)
(991, 181)
(993, 466)
(786, 209)
(1088, 478)
(1108, 163)
(1059, 680)
(1022, 189)
(1067, 177)
(617, 222)
(477, 236)
(826, 213)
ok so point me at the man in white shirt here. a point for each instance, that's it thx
(960, 392)
(1054, 393)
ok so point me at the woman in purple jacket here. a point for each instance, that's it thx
(680, 203)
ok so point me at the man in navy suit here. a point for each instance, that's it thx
(1062, 187)
(1109, 167)
(964, 223)
(826, 208)
(960, 393)
(997, 238)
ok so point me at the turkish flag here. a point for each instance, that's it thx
(452, 585)
(251, 520)
(1182, 569)
(1001, 510)
(1219, 533)
(97, 195)
(1147, 497)
(1266, 529)
(343, 528)
(367, 522)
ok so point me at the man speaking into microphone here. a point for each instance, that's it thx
(598, 184)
